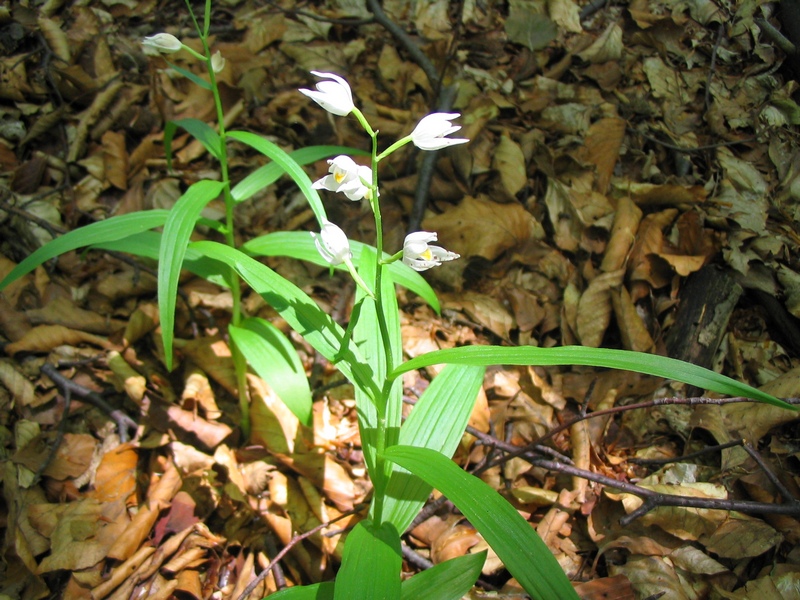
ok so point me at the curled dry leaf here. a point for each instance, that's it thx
(16, 383)
(633, 331)
(46, 337)
(623, 234)
(594, 308)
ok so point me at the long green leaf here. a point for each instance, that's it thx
(288, 164)
(317, 591)
(103, 231)
(299, 311)
(650, 364)
(300, 245)
(522, 551)
(174, 241)
(275, 360)
(201, 130)
(450, 580)
(271, 172)
(371, 564)
(147, 244)
(191, 76)
(437, 422)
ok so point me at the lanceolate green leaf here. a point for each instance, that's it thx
(300, 245)
(147, 244)
(271, 172)
(437, 422)
(109, 230)
(371, 564)
(191, 76)
(650, 364)
(450, 580)
(201, 130)
(317, 591)
(174, 241)
(299, 311)
(275, 360)
(289, 165)
(522, 551)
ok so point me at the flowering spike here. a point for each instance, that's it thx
(334, 96)
(430, 133)
(420, 255)
(164, 43)
(217, 62)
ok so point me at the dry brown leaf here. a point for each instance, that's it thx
(595, 306)
(115, 479)
(623, 235)
(501, 227)
(509, 162)
(56, 38)
(483, 309)
(272, 424)
(126, 377)
(115, 159)
(326, 474)
(62, 311)
(46, 337)
(633, 331)
(16, 383)
(213, 356)
(601, 148)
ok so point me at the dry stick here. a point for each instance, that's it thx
(651, 499)
(292, 543)
(67, 386)
(691, 150)
(713, 64)
(787, 495)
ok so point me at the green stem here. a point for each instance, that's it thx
(398, 144)
(239, 360)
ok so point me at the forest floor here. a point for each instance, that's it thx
(632, 181)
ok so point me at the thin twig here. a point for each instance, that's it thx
(67, 386)
(696, 148)
(756, 456)
(713, 64)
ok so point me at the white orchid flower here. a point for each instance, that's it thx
(217, 62)
(420, 255)
(347, 177)
(430, 133)
(334, 96)
(332, 244)
(164, 43)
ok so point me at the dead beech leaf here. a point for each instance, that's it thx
(213, 356)
(16, 383)
(509, 162)
(683, 265)
(273, 425)
(480, 227)
(326, 474)
(115, 159)
(631, 326)
(648, 194)
(115, 478)
(56, 38)
(649, 240)
(46, 337)
(483, 309)
(63, 311)
(126, 377)
(565, 218)
(594, 308)
(623, 234)
(741, 536)
(601, 148)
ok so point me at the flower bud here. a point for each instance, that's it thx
(164, 43)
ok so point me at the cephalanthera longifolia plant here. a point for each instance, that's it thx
(405, 460)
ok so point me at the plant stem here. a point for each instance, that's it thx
(239, 361)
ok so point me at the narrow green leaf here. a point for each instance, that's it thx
(201, 130)
(522, 551)
(317, 591)
(371, 564)
(300, 245)
(299, 311)
(146, 245)
(437, 422)
(450, 580)
(271, 172)
(650, 364)
(191, 76)
(103, 231)
(288, 164)
(275, 360)
(174, 241)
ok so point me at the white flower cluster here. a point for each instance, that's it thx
(355, 181)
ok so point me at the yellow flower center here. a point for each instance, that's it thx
(427, 255)
(339, 176)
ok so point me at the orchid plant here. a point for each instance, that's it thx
(405, 460)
